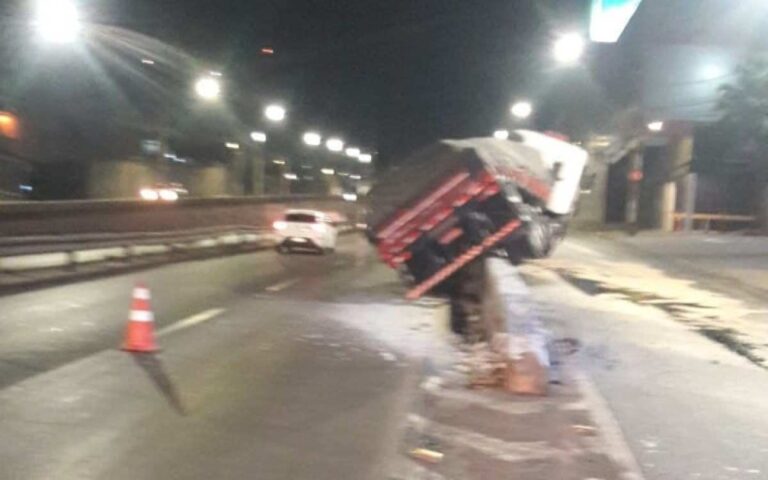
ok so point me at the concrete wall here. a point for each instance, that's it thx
(124, 216)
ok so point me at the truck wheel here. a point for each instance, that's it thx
(539, 239)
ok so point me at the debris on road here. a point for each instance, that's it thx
(427, 455)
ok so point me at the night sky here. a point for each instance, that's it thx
(387, 75)
(391, 74)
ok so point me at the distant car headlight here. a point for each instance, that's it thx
(149, 194)
(280, 225)
(168, 195)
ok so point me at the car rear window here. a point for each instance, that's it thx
(300, 218)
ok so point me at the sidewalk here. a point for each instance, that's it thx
(477, 434)
(487, 434)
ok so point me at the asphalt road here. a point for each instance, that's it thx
(689, 407)
(259, 377)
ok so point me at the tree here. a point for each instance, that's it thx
(743, 105)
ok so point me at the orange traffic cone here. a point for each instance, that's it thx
(140, 334)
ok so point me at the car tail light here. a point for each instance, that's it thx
(280, 225)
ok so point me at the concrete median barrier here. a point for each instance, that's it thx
(19, 263)
(135, 216)
(516, 334)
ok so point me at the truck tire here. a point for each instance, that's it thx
(538, 238)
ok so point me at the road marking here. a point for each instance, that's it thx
(282, 285)
(191, 321)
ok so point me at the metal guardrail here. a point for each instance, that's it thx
(706, 219)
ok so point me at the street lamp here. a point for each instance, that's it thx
(335, 144)
(569, 48)
(208, 88)
(259, 137)
(365, 158)
(275, 113)
(353, 152)
(501, 134)
(656, 126)
(521, 110)
(57, 21)
(312, 139)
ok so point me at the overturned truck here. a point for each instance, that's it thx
(456, 200)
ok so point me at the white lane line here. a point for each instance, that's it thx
(191, 321)
(282, 285)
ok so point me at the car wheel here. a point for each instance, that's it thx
(282, 249)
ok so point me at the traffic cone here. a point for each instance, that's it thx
(140, 334)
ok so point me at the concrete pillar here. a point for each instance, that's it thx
(689, 201)
(208, 181)
(633, 189)
(590, 211)
(257, 174)
(119, 179)
(667, 210)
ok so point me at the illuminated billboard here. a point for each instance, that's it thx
(609, 18)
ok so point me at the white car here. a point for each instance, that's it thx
(306, 230)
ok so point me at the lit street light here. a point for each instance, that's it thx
(57, 21)
(335, 144)
(208, 88)
(353, 152)
(365, 158)
(501, 134)
(312, 139)
(327, 171)
(656, 126)
(259, 137)
(232, 145)
(569, 48)
(522, 110)
(275, 113)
